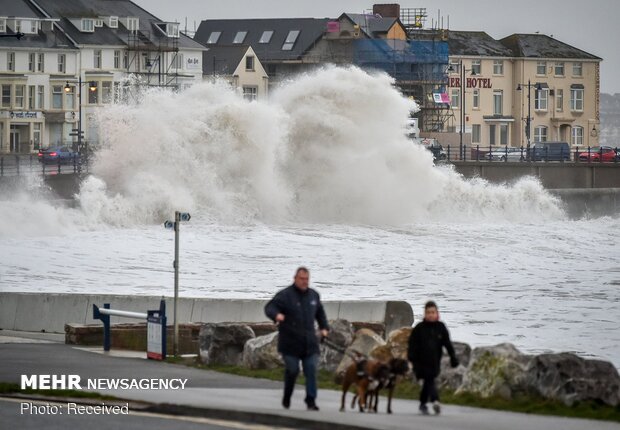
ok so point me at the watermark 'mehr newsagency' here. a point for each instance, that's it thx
(74, 382)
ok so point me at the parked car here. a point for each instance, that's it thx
(435, 147)
(58, 154)
(602, 153)
(503, 153)
(550, 151)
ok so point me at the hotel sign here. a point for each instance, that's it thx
(471, 82)
(20, 115)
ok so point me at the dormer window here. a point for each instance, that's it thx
(291, 38)
(113, 22)
(172, 29)
(133, 24)
(240, 37)
(88, 25)
(266, 36)
(2, 25)
(98, 23)
(214, 37)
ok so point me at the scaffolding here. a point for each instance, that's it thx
(154, 60)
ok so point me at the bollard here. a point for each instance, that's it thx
(448, 152)
(464, 152)
(506, 158)
(576, 154)
(477, 152)
(589, 155)
(105, 319)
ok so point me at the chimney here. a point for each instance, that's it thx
(388, 10)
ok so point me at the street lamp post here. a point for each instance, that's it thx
(528, 120)
(92, 86)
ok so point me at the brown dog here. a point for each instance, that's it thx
(397, 368)
(366, 375)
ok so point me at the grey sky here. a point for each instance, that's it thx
(589, 25)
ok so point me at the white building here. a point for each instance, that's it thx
(99, 42)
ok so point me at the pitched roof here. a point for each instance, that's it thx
(476, 43)
(222, 60)
(45, 38)
(543, 46)
(310, 30)
(75, 9)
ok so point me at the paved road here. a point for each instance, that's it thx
(254, 398)
(12, 418)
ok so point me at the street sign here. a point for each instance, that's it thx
(169, 225)
(184, 216)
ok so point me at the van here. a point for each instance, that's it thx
(550, 151)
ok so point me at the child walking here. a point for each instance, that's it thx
(426, 343)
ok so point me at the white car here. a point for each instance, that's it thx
(506, 154)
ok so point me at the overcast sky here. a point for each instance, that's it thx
(588, 25)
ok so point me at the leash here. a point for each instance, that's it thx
(355, 355)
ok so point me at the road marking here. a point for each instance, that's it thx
(199, 420)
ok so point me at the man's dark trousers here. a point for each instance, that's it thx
(309, 363)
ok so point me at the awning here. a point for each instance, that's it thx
(577, 86)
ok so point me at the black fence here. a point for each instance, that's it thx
(530, 154)
(29, 164)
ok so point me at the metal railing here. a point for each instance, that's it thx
(532, 154)
(29, 164)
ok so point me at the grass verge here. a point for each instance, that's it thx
(411, 391)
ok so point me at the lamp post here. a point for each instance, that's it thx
(462, 72)
(92, 87)
(528, 120)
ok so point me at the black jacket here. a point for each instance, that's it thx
(425, 348)
(297, 335)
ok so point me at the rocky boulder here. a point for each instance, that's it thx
(398, 342)
(569, 378)
(262, 352)
(453, 378)
(222, 343)
(364, 342)
(496, 371)
(340, 334)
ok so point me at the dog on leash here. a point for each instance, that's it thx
(366, 375)
(396, 368)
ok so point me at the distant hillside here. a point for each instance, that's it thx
(610, 119)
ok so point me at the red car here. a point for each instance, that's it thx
(607, 153)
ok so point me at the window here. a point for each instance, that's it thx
(10, 61)
(240, 37)
(498, 102)
(88, 25)
(70, 98)
(541, 68)
(540, 101)
(577, 69)
(498, 67)
(106, 92)
(455, 98)
(559, 100)
(291, 38)
(492, 134)
(576, 99)
(113, 22)
(503, 134)
(2, 25)
(36, 135)
(577, 136)
(57, 91)
(41, 63)
(172, 29)
(93, 96)
(32, 62)
(19, 96)
(125, 59)
(476, 67)
(62, 63)
(475, 133)
(559, 69)
(266, 36)
(41, 97)
(540, 134)
(476, 99)
(249, 63)
(98, 23)
(6, 96)
(18, 26)
(250, 93)
(31, 95)
(214, 37)
(177, 62)
(117, 59)
(133, 24)
(97, 58)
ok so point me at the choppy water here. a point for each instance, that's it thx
(321, 175)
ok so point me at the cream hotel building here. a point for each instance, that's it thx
(564, 91)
